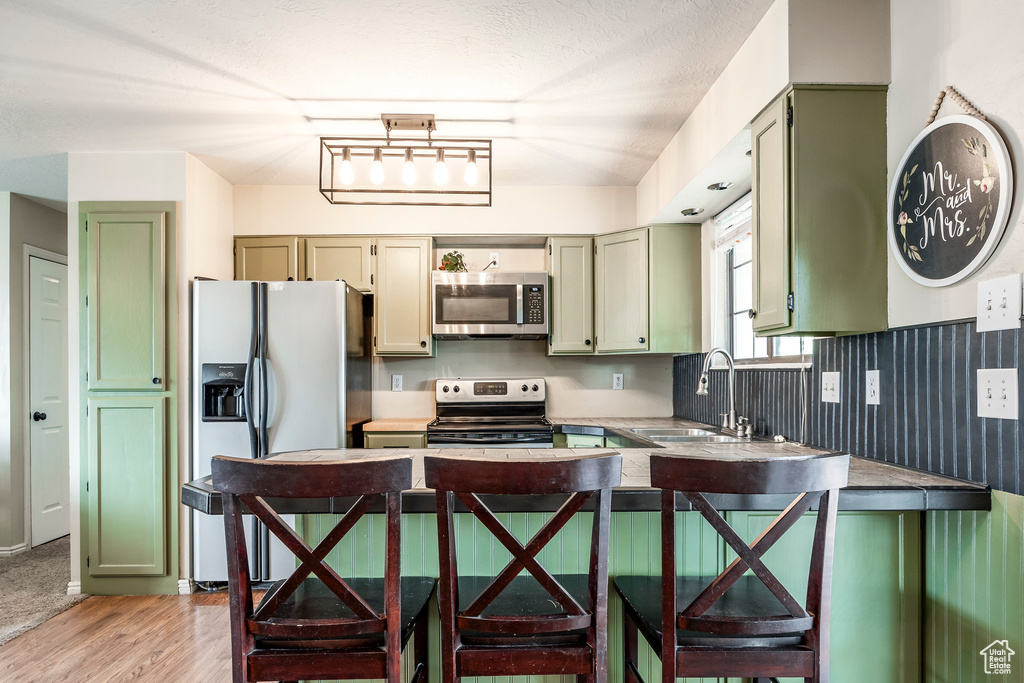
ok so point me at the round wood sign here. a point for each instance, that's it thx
(950, 200)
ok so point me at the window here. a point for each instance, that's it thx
(735, 256)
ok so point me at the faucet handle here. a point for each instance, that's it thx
(725, 420)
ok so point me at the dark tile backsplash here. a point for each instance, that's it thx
(927, 418)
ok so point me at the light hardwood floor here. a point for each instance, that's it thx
(154, 639)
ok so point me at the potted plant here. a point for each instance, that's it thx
(454, 262)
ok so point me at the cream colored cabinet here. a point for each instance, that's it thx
(648, 290)
(571, 269)
(401, 302)
(818, 223)
(269, 259)
(340, 258)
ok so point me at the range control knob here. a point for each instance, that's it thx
(536, 388)
(525, 388)
(445, 388)
(456, 388)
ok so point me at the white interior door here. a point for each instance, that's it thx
(48, 400)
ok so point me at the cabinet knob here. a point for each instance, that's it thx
(641, 340)
(751, 313)
(156, 380)
(308, 279)
(587, 342)
(423, 344)
(37, 416)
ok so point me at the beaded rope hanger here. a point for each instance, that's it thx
(954, 95)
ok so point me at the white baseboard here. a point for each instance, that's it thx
(74, 588)
(13, 550)
(186, 587)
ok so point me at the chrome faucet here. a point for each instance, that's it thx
(702, 385)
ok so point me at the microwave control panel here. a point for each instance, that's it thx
(533, 304)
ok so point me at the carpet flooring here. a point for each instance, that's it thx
(33, 587)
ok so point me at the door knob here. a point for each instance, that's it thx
(423, 344)
(156, 380)
(751, 313)
(641, 340)
(37, 416)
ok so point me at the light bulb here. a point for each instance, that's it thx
(440, 170)
(471, 175)
(377, 170)
(345, 174)
(409, 171)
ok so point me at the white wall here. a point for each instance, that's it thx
(578, 386)
(977, 49)
(134, 176)
(297, 209)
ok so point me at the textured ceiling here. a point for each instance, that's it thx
(574, 93)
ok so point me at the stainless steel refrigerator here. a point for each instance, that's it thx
(276, 366)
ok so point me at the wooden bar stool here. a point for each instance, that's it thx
(734, 624)
(321, 626)
(532, 624)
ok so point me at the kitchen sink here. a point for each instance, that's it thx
(686, 435)
(654, 433)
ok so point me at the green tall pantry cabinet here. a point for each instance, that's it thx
(129, 466)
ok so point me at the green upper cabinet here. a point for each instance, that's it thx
(340, 258)
(819, 194)
(648, 290)
(271, 259)
(126, 473)
(571, 268)
(126, 300)
(401, 302)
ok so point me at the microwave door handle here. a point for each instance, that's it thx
(519, 304)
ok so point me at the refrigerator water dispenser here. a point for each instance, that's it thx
(223, 392)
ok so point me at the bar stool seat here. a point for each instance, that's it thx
(641, 598)
(524, 597)
(313, 600)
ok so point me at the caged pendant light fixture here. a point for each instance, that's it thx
(413, 170)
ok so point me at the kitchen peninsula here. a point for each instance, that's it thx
(878, 563)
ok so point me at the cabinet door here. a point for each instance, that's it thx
(340, 258)
(126, 301)
(770, 222)
(571, 267)
(622, 297)
(127, 469)
(401, 302)
(272, 259)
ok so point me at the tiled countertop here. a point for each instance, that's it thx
(873, 485)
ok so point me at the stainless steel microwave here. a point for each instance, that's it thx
(490, 305)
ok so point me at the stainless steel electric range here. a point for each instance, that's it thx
(490, 413)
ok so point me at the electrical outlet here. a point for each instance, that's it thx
(997, 393)
(617, 381)
(872, 395)
(396, 382)
(830, 387)
(495, 260)
(999, 304)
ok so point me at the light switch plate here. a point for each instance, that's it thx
(999, 303)
(396, 382)
(997, 393)
(617, 381)
(830, 387)
(872, 388)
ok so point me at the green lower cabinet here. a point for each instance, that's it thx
(394, 439)
(974, 590)
(125, 487)
(875, 604)
(583, 441)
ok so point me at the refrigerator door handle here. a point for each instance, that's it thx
(264, 388)
(250, 415)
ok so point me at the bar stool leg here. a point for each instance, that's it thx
(419, 649)
(630, 650)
